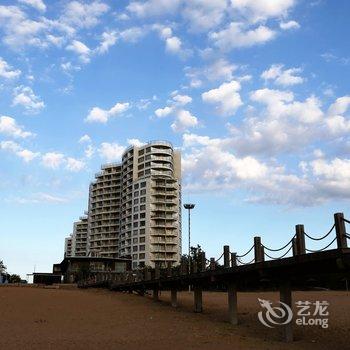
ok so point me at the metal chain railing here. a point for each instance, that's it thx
(243, 263)
(242, 256)
(320, 250)
(320, 238)
(282, 256)
(279, 249)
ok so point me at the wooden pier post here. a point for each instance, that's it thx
(156, 271)
(233, 259)
(202, 261)
(340, 230)
(212, 263)
(294, 247)
(174, 298)
(300, 235)
(198, 302)
(257, 250)
(232, 303)
(286, 297)
(226, 256)
(155, 294)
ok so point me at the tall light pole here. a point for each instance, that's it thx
(189, 207)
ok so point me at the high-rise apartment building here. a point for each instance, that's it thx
(68, 246)
(80, 230)
(104, 212)
(135, 208)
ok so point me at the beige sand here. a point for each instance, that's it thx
(37, 318)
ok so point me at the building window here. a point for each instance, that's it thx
(142, 231)
(143, 184)
(136, 186)
(136, 193)
(142, 256)
(142, 239)
(134, 248)
(134, 256)
(134, 240)
(136, 201)
(141, 152)
(134, 265)
(142, 248)
(142, 207)
(143, 200)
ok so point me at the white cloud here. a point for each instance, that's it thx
(19, 30)
(80, 49)
(182, 99)
(25, 97)
(111, 151)
(9, 126)
(83, 15)
(108, 39)
(6, 70)
(164, 112)
(89, 151)
(340, 106)
(100, 115)
(220, 69)
(26, 155)
(183, 121)
(226, 97)
(85, 139)
(53, 160)
(289, 25)
(133, 34)
(236, 35)
(74, 165)
(153, 7)
(38, 198)
(173, 44)
(204, 15)
(260, 10)
(135, 142)
(283, 77)
(37, 4)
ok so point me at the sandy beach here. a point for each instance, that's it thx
(38, 318)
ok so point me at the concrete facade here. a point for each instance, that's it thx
(135, 209)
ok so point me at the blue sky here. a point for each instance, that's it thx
(254, 92)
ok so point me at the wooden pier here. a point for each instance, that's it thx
(283, 272)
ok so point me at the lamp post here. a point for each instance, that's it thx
(189, 207)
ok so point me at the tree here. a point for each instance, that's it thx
(14, 278)
(2, 267)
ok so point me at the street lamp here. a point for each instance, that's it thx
(189, 207)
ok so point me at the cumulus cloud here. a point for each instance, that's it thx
(74, 165)
(283, 77)
(226, 98)
(80, 49)
(111, 151)
(261, 10)
(153, 7)
(9, 126)
(183, 121)
(237, 35)
(289, 25)
(37, 4)
(13, 147)
(6, 71)
(24, 96)
(220, 69)
(85, 139)
(100, 115)
(135, 142)
(53, 160)
(83, 15)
